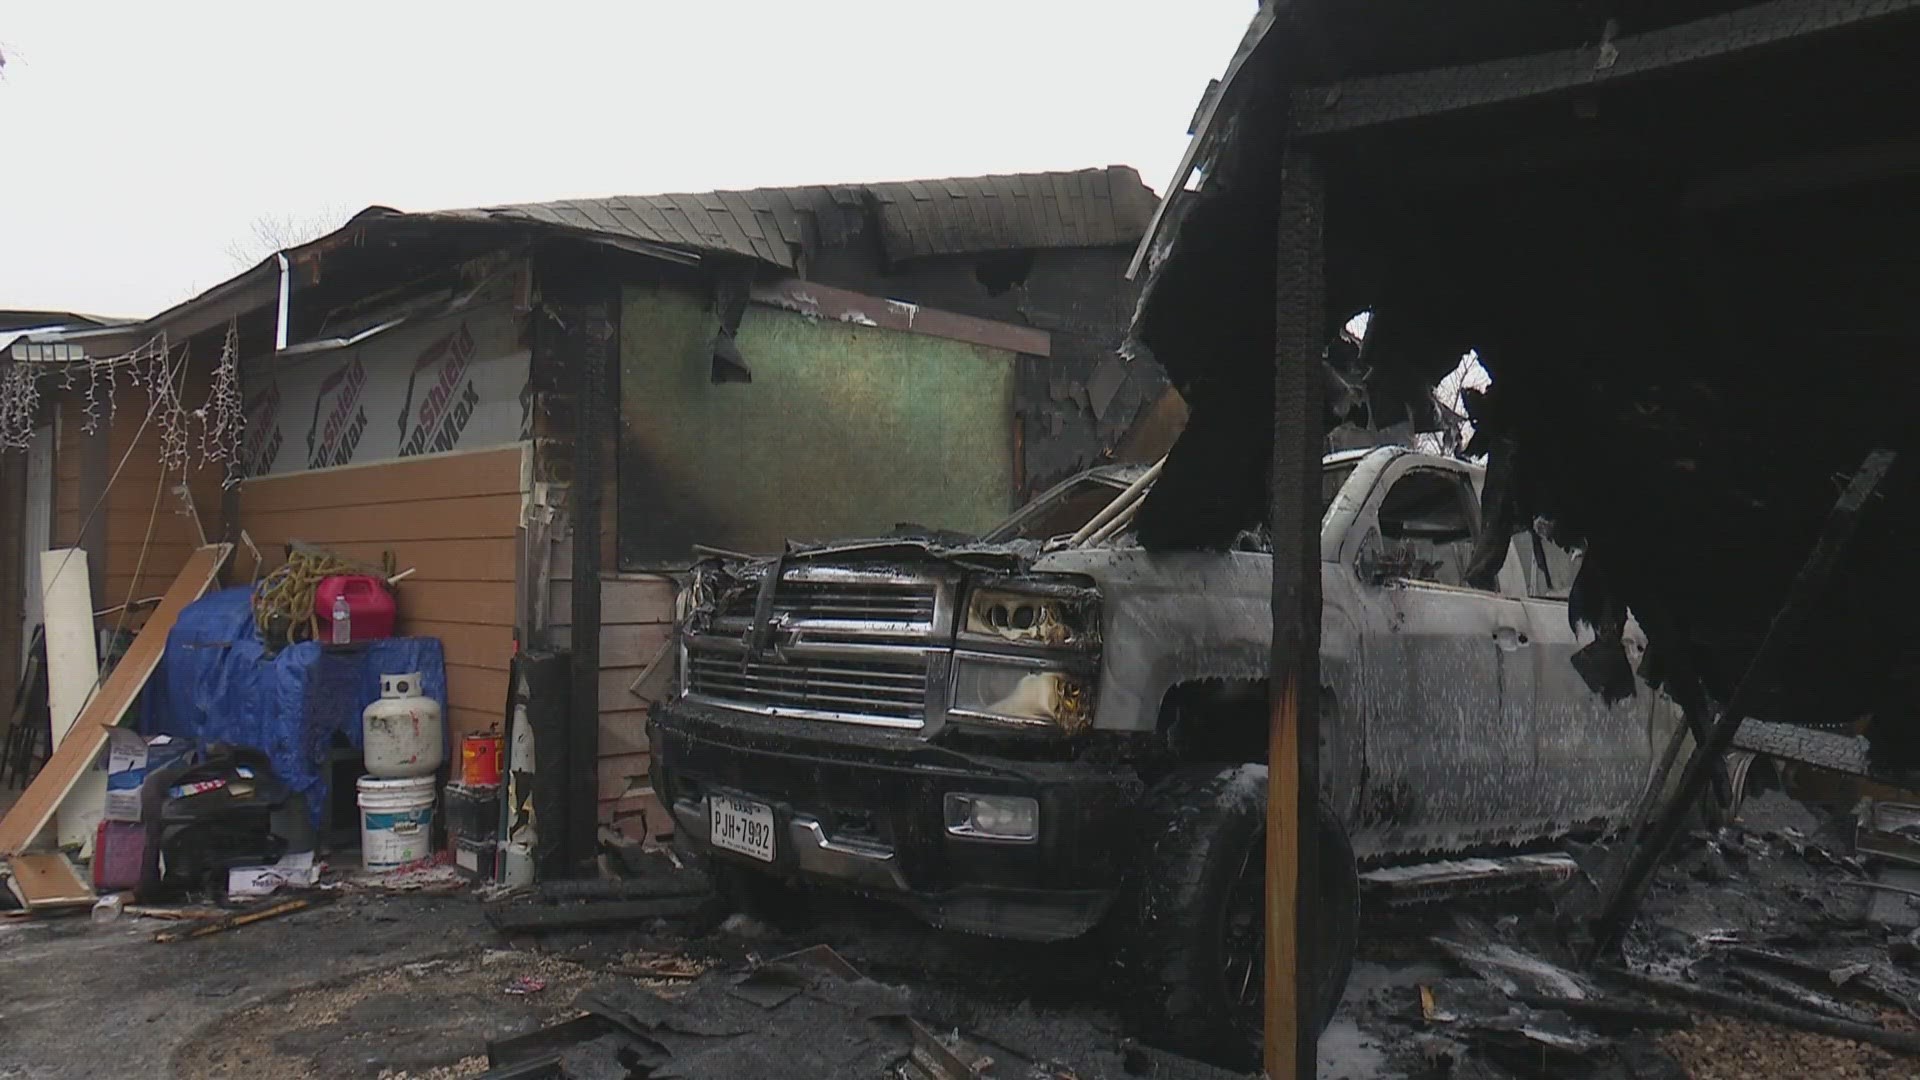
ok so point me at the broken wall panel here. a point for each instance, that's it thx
(1078, 405)
(844, 430)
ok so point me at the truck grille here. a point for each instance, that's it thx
(847, 644)
(895, 688)
(844, 602)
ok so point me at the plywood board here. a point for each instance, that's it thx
(76, 752)
(73, 663)
(73, 672)
(46, 880)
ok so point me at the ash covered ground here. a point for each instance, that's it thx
(1767, 912)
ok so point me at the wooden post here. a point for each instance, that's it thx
(1293, 758)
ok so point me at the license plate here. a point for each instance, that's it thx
(741, 825)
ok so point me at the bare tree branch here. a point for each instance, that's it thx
(270, 233)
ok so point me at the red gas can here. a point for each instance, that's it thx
(369, 605)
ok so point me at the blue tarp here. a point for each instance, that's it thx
(216, 684)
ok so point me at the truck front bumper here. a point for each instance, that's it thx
(864, 809)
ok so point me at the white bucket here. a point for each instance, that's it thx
(396, 821)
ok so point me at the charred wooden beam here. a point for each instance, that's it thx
(1802, 596)
(581, 336)
(1803, 173)
(593, 915)
(1386, 99)
(1738, 1005)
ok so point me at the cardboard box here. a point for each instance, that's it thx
(297, 871)
(129, 757)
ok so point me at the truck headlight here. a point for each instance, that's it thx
(1067, 618)
(993, 817)
(1011, 693)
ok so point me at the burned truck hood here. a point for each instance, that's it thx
(1009, 556)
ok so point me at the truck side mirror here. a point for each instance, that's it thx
(1372, 565)
(1372, 568)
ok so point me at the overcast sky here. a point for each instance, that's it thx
(141, 141)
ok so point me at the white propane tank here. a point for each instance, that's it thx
(401, 733)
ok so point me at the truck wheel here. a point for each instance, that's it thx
(1191, 929)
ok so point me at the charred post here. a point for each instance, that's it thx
(1292, 1020)
(588, 331)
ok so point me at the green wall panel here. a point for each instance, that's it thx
(845, 430)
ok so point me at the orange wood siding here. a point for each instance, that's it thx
(636, 619)
(451, 518)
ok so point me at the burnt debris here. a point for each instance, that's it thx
(1685, 274)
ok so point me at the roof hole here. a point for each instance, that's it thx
(1003, 270)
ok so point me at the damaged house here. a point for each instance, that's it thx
(472, 389)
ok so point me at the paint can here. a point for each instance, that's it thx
(396, 821)
(480, 760)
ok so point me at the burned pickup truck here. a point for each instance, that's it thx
(1050, 730)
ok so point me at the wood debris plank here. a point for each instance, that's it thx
(273, 910)
(76, 753)
(46, 881)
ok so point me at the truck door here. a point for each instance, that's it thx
(1593, 757)
(1448, 677)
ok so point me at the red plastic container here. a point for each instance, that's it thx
(119, 855)
(368, 602)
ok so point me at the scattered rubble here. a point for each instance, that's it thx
(1758, 952)
(424, 1019)
(1753, 955)
(813, 1014)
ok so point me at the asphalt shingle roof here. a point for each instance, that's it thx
(916, 218)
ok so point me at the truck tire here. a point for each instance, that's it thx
(1190, 926)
